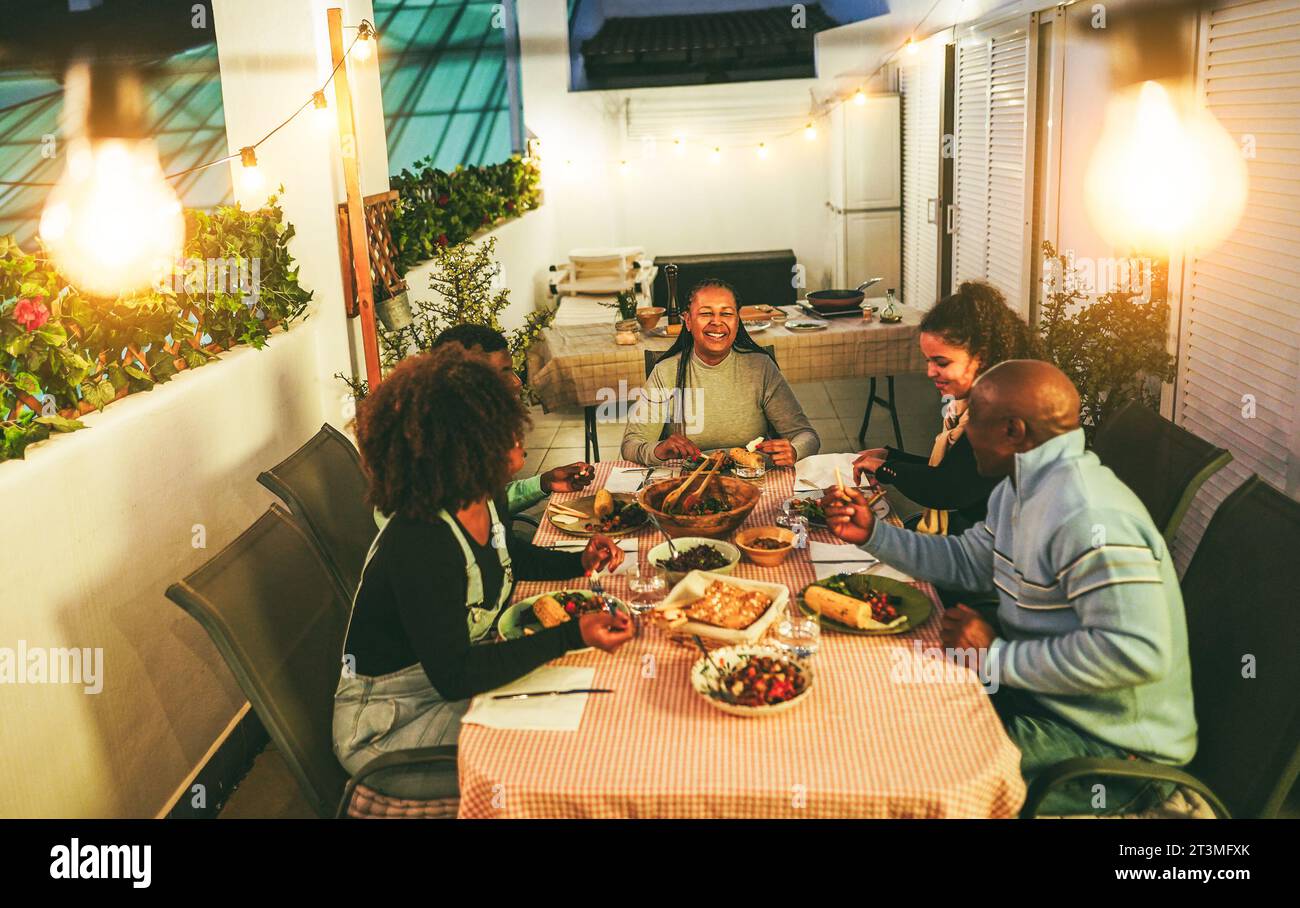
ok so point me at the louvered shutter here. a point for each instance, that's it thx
(1240, 333)
(993, 129)
(920, 80)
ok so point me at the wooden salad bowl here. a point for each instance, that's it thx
(742, 495)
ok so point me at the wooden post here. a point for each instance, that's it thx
(356, 212)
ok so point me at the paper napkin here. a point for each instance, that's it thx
(537, 713)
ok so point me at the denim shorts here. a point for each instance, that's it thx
(398, 711)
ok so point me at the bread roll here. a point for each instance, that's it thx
(604, 505)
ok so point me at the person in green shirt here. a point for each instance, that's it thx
(521, 494)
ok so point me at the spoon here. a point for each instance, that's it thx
(672, 548)
(717, 672)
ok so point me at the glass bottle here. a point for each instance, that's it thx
(890, 312)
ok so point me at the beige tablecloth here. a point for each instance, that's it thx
(874, 739)
(581, 365)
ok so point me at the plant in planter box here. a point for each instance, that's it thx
(625, 302)
(1114, 347)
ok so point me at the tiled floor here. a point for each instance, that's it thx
(835, 409)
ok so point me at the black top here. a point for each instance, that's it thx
(954, 485)
(411, 607)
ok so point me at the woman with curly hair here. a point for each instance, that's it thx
(964, 335)
(439, 439)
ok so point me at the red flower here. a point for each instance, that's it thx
(510, 206)
(443, 200)
(31, 314)
(442, 239)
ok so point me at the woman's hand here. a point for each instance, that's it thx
(606, 631)
(848, 515)
(868, 462)
(780, 450)
(572, 477)
(675, 446)
(601, 554)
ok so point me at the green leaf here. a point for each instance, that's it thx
(61, 423)
(25, 381)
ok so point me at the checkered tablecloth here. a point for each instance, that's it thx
(575, 364)
(875, 739)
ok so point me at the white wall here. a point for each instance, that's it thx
(99, 522)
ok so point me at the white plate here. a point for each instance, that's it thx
(692, 586)
(805, 325)
(757, 327)
(704, 679)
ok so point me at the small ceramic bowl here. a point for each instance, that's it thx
(764, 557)
(627, 324)
(648, 316)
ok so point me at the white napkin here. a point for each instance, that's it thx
(878, 568)
(839, 552)
(536, 713)
(625, 479)
(818, 471)
(627, 545)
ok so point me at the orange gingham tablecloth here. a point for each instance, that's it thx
(862, 746)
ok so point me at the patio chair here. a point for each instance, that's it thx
(325, 488)
(1162, 463)
(278, 616)
(1241, 615)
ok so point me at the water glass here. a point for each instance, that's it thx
(648, 584)
(797, 634)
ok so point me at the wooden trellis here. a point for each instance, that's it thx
(384, 276)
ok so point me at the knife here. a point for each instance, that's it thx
(553, 693)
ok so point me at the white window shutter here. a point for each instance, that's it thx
(920, 82)
(1239, 357)
(993, 130)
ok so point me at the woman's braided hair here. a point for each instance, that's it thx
(978, 319)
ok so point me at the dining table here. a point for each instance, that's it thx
(884, 731)
(582, 365)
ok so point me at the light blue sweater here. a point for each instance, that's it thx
(1091, 613)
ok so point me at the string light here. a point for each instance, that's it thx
(810, 132)
(111, 222)
(911, 46)
(679, 147)
(716, 155)
(623, 167)
(762, 151)
(859, 97)
(365, 35)
(321, 110)
(250, 175)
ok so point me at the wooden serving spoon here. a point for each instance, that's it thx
(671, 499)
(689, 501)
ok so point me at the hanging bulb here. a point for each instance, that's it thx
(250, 175)
(859, 97)
(623, 168)
(1165, 175)
(716, 155)
(112, 223)
(810, 133)
(365, 41)
(762, 151)
(321, 111)
(679, 147)
(911, 46)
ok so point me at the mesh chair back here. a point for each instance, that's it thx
(325, 488)
(1162, 463)
(278, 617)
(1241, 615)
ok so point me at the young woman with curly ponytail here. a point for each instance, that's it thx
(964, 335)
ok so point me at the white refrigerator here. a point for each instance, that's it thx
(865, 204)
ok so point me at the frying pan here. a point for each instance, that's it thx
(827, 301)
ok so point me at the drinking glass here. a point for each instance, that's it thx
(796, 633)
(647, 583)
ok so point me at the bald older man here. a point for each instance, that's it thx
(1091, 658)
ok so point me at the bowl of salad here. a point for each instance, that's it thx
(752, 680)
(694, 553)
(723, 507)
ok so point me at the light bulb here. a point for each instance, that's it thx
(860, 97)
(112, 223)
(363, 48)
(810, 133)
(911, 45)
(762, 151)
(716, 155)
(250, 175)
(679, 147)
(321, 114)
(623, 167)
(1164, 175)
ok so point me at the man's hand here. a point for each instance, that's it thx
(848, 515)
(573, 477)
(961, 627)
(780, 450)
(677, 446)
(605, 631)
(601, 554)
(868, 462)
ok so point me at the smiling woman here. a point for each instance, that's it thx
(716, 388)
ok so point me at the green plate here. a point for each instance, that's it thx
(520, 615)
(915, 605)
